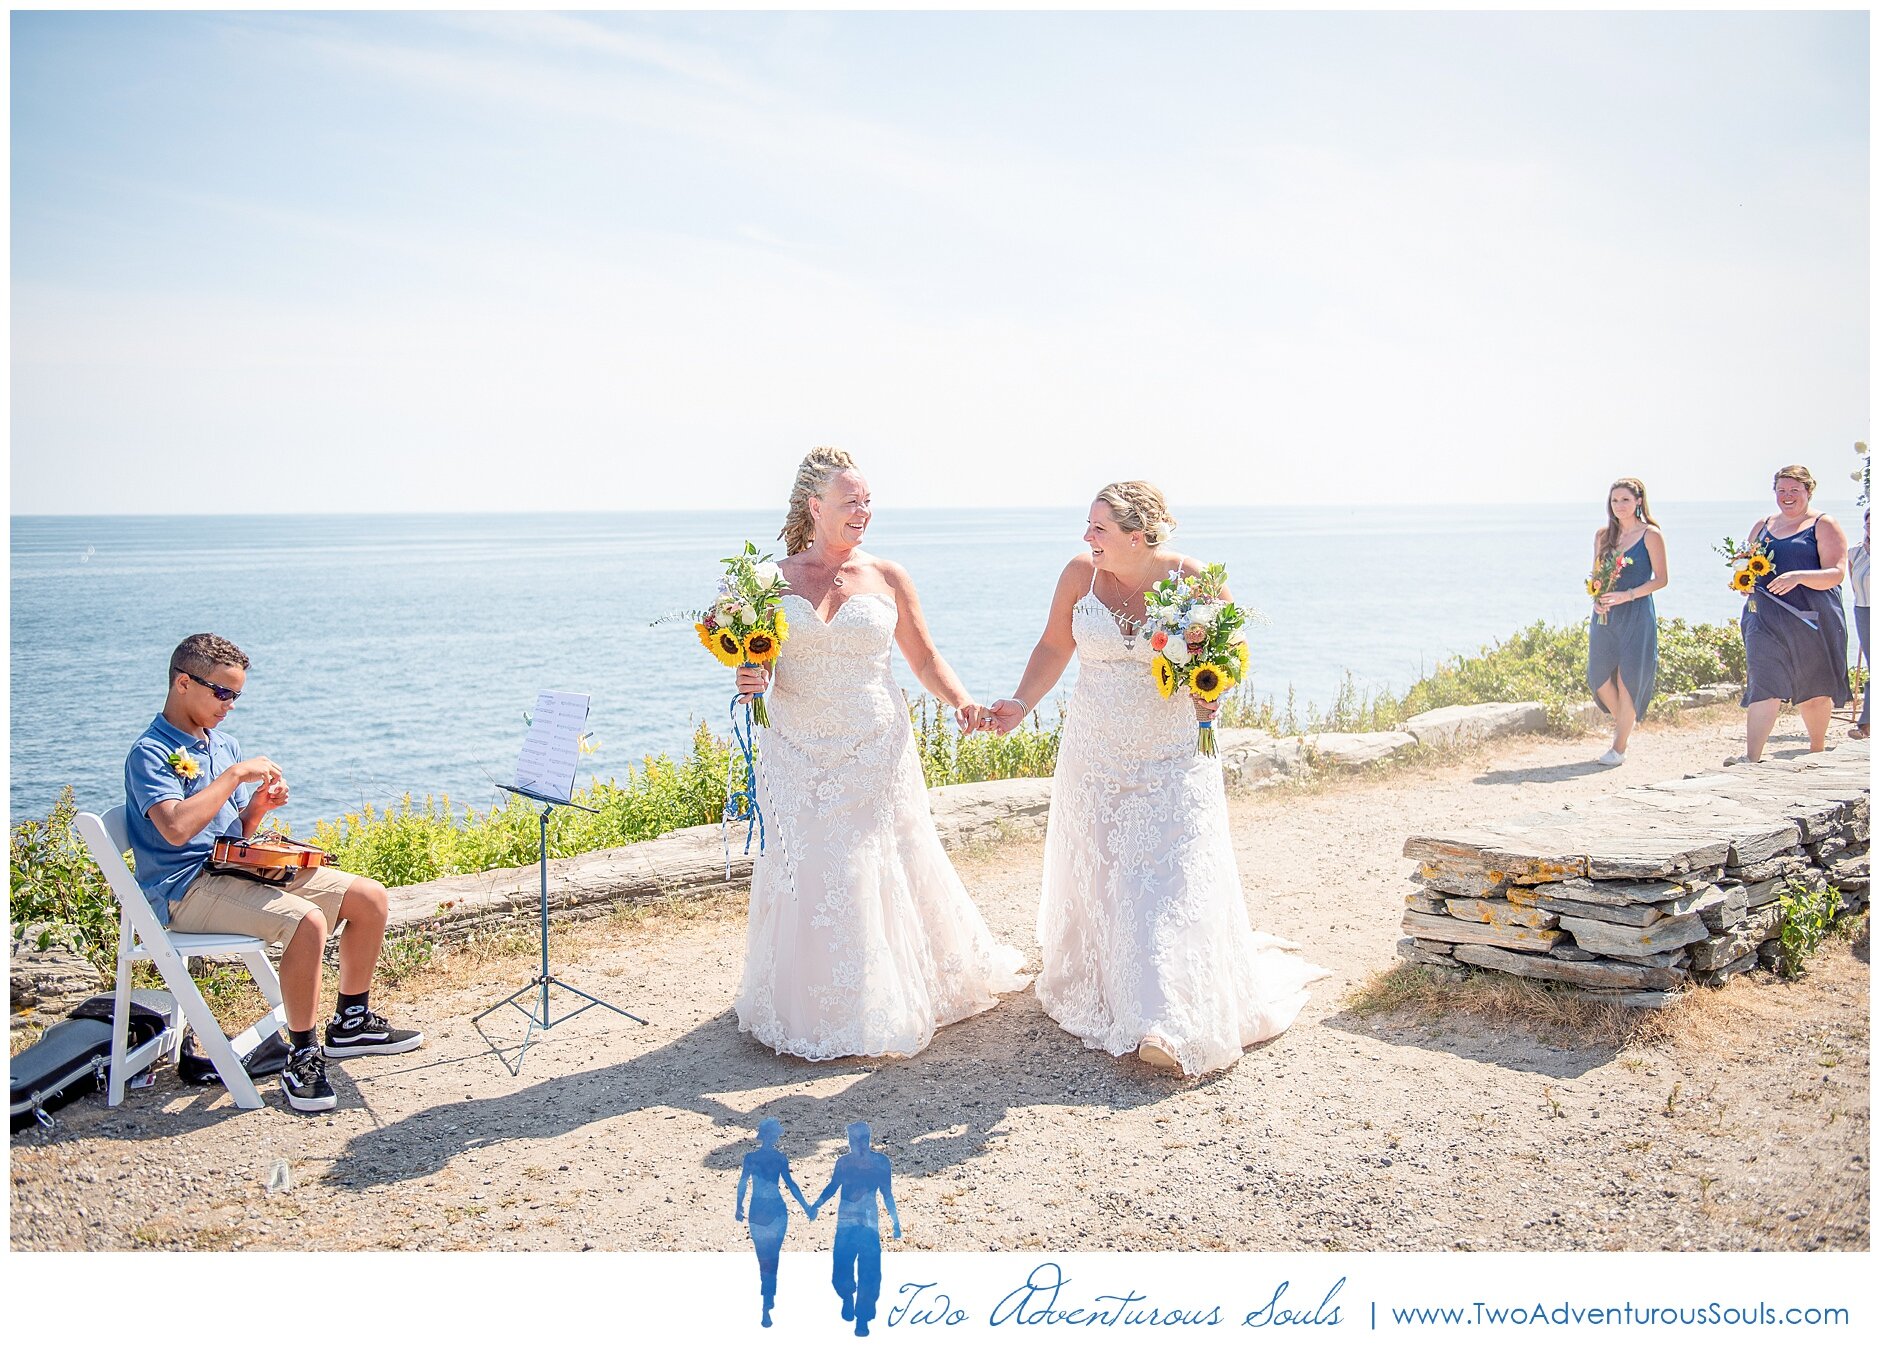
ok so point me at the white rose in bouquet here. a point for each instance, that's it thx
(1177, 650)
(1204, 613)
(768, 573)
(748, 614)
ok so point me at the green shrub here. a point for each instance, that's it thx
(1807, 916)
(1353, 710)
(948, 759)
(56, 893)
(413, 842)
(1543, 662)
(1693, 655)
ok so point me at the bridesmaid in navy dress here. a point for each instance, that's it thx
(1622, 641)
(1793, 627)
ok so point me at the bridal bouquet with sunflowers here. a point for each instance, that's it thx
(1749, 564)
(1199, 640)
(744, 626)
(1604, 576)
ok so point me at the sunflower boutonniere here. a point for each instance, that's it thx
(183, 764)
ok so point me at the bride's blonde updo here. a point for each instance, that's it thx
(1139, 509)
(813, 476)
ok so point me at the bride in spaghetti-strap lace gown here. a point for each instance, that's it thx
(862, 939)
(1141, 919)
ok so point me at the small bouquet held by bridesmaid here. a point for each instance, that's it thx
(1749, 564)
(1199, 640)
(1604, 576)
(744, 626)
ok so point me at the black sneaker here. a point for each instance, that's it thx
(368, 1034)
(304, 1084)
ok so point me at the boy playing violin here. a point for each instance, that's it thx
(185, 784)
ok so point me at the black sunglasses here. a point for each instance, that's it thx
(222, 693)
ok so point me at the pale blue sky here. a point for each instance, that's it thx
(535, 261)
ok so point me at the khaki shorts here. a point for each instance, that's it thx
(234, 903)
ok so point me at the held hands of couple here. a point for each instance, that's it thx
(1002, 716)
(974, 718)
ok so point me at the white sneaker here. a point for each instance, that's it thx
(1612, 757)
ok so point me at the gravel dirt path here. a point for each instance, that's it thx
(1746, 1128)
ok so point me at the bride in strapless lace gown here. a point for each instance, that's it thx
(1141, 918)
(862, 940)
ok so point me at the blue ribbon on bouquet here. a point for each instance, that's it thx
(741, 804)
(1809, 617)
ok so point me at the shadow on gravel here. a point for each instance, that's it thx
(1545, 775)
(168, 1109)
(942, 1108)
(1482, 1042)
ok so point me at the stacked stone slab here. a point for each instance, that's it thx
(1637, 894)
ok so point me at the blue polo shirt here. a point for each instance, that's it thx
(165, 872)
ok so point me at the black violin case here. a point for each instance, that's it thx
(73, 1057)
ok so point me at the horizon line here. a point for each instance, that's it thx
(725, 510)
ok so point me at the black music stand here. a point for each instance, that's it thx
(538, 1015)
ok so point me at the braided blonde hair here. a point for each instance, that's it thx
(813, 476)
(1139, 509)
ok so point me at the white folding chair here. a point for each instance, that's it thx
(142, 937)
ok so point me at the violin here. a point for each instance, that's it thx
(266, 851)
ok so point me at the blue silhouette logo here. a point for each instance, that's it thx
(860, 1175)
(767, 1172)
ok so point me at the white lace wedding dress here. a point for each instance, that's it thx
(1142, 922)
(862, 939)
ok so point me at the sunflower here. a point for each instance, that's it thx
(704, 636)
(760, 647)
(726, 648)
(1246, 658)
(780, 627)
(1165, 678)
(1592, 586)
(1207, 681)
(1744, 580)
(1760, 565)
(183, 764)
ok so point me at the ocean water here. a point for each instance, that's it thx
(394, 653)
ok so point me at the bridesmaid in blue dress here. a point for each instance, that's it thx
(1622, 640)
(1793, 627)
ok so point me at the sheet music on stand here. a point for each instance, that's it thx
(545, 773)
(552, 748)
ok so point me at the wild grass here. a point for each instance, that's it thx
(948, 759)
(1543, 662)
(55, 892)
(1550, 1012)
